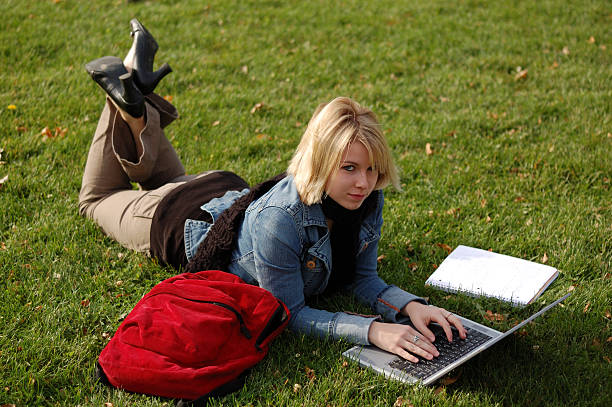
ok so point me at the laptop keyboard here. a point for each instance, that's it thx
(449, 352)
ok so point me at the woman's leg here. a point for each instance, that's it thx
(116, 159)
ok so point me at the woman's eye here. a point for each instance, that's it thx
(348, 168)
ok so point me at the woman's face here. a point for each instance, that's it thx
(351, 184)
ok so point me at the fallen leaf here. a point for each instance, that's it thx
(607, 359)
(609, 339)
(345, 363)
(85, 303)
(535, 347)
(586, 307)
(596, 343)
(244, 69)
(554, 65)
(591, 40)
(108, 404)
(483, 203)
(261, 136)
(169, 98)
(216, 123)
(453, 211)
(571, 288)
(428, 149)
(400, 402)
(439, 390)
(296, 387)
(488, 219)
(520, 74)
(446, 247)
(380, 258)
(46, 133)
(565, 50)
(3, 180)
(491, 316)
(310, 373)
(608, 315)
(444, 99)
(257, 107)
(448, 380)
(544, 258)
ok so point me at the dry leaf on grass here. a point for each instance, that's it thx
(448, 380)
(216, 123)
(402, 402)
(544, 258)
(493, 316)
(310, 373)
(3, 180)
(46, 133)
(428, 149)
(446, 247)
(586, 307)
(520, 73)
(257, 107)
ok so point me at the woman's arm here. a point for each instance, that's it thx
(277, 245)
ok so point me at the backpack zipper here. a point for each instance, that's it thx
(243, 328)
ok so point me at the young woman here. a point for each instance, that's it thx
(311, 231)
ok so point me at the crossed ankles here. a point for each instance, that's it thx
(127, 88)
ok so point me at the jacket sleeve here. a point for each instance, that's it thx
(277, 245)
(384, 299)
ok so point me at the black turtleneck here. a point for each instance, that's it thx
(344, 239)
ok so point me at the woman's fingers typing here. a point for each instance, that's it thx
(402, 340)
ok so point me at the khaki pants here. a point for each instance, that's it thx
(107, 195)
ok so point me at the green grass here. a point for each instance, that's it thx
(520, 166)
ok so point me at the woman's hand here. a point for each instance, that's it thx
(401, 339)
(422, 315)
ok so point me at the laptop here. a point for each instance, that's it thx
(452, 355)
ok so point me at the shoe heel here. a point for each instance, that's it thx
(130, 92)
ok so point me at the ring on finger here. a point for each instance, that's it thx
(447, 316)
(415, 339)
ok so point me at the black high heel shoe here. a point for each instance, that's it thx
(142, 53)
(113, 77)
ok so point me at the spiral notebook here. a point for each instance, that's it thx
(480, 272)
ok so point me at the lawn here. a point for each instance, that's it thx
(499, 118)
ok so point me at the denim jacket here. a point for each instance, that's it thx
(283, 246)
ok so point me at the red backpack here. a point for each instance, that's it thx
(193, 336)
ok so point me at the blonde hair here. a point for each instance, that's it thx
(331, 130)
